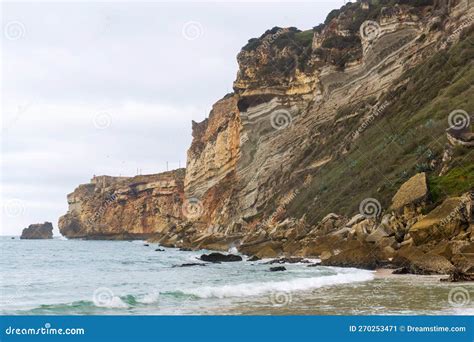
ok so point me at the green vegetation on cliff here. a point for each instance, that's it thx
(408, 137)
(455, 182)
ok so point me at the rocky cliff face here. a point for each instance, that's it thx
(124, 207)
(306, 103)
(321, 122)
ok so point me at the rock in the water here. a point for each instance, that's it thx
(314, 264)
(254, 258)
(146, 245)
(277, 269)
(288, 260)
(412, 192)
(218, 257)
(184, 249)
(38, 231)
(190, 264)
(401, 270)
(457, 276)
(159, 250)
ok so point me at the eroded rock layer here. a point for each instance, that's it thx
(124, 207)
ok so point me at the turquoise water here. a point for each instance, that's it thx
(126, 277)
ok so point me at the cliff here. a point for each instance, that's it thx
(124, 207)
(321, 122)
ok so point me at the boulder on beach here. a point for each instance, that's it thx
(443, 222)
(38, 231)
(219, 257)
(413, 192)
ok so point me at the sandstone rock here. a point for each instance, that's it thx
(388, 253)
(267, 249)
(325, 255)
(329, 223)
(362, 229)
(389, 242)
(125, 207)
(445, 221)
(419, 262)
(464, 262)
(356, 254)
(38, 231)
(218, 257)
(412, 192)
(354, 220)
(377, 235)
(342, 233)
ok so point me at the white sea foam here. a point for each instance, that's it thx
(115, 302)
(260, 288)
(233, 250)
(460, 311)
(149, 298)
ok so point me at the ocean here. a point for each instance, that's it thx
(77, 277)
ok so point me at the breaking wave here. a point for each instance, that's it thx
(261, 288)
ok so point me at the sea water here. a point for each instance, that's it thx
(62, 276)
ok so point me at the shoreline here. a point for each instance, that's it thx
(379, 272)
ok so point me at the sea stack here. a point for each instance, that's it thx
(38, 231)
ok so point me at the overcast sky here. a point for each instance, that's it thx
(109, 88)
